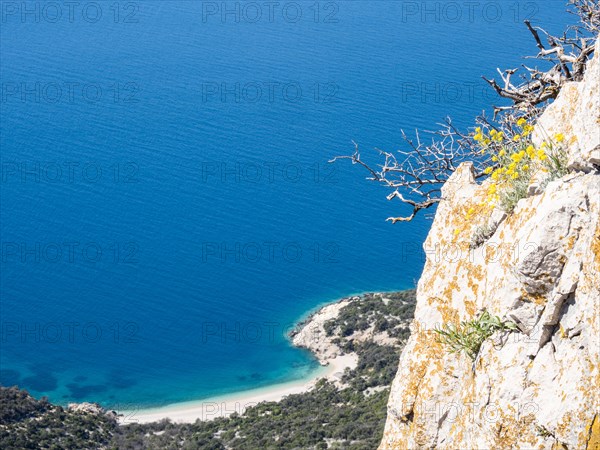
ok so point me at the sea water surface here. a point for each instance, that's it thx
(168, 211)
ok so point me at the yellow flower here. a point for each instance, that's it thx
(478, 130)
(516, 157)
(515, 175)
(559, 137)
(526, 167)
(493, 133)
(521, 122)
(527, 129)
(530, 151)
(495, 175)
(541, 154)
(517, 137)
(456, 232)
(487, 170)
(512, 165)
(478, 137)
(501, 153)
(470, 211)
(495, 158)
(492, 198)
(492, 189)
(499, 136)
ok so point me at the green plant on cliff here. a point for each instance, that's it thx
(468, 336)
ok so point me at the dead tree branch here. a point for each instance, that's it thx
(568, 55)
(416, 174)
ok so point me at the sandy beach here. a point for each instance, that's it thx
(310, 334)
(208, 409)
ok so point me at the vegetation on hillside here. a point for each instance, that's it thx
(27, 423)
(348, 417)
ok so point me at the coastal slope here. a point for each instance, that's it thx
(536, 386)
(358, 339)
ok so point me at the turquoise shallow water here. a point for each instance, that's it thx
(167, 209)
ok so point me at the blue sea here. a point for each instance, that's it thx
(168, 211)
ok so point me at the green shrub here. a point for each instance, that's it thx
(469, 335)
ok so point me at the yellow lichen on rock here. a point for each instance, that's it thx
(593, 441)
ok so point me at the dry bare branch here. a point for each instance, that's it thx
(415, 175)
(568, 55)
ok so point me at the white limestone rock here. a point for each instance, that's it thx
(537, 387)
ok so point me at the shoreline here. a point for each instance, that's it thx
(236, 402)
(308, 333)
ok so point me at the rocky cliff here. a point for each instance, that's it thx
(538, 386)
